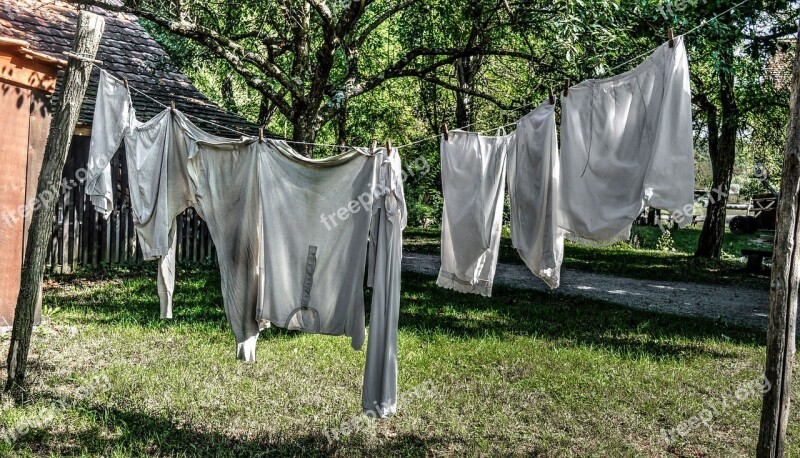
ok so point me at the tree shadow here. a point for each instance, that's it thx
(428, 310)
(139, 434)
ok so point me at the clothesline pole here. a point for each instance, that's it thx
(76, 80)
(783, 291)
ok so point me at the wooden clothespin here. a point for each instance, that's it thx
(552, 97)
(670, 38)
(261, 135)
(388, 147)
(172, 105)
(566, 87)
(445, 132)
(125, 82)
(374, 145)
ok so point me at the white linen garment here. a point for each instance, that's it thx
(473, 185)
(533, 188)
(379, 395)
(322, 219)
(626, 143)
(228, 199)
(316, 225)
(157, 156)
(146, 150)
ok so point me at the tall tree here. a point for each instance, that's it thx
(302, 56)
(738, 34)
(76, 80)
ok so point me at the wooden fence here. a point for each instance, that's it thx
(81, 237)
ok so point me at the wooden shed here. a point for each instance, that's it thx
(33, 37)
(27, 79)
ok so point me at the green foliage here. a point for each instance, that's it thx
(545, 41)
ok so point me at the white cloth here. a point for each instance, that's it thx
(473, 186)
(316, 221)
(146, 152)
(228, 199)
(312, 279)
(626, 143)
(533, 188)
(157, 154)
(110, 121)
(379, 395)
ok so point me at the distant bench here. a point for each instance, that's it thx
(754, 259)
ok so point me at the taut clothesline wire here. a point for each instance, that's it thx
(702, 24)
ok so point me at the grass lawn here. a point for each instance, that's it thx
(644, 262)
(522, 373)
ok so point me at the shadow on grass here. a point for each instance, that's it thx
(135, 433)
(620, 260)
(428, 311)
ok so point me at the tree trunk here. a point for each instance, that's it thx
(341, 127)
(304, 131)
(466, 69)
(76, 79)
(783, 291)
(722, 160)
(228, 99)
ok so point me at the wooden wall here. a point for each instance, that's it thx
(24, 123)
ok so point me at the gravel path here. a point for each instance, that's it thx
(743, 306)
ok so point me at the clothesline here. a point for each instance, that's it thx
(702, 24)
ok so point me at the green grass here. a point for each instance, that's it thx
(522, 373)
(645, 262)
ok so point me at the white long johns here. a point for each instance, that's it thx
(473, 185)
(533, 188)
(379, 395)
(626, 142)
(157, 154)
(312, 279)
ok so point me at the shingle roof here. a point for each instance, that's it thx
(127, 51)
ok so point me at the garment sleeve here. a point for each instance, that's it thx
(166, 275)
(109, 124)
(379, 396)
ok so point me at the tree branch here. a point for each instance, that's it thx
(234, 53)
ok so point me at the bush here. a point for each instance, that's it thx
(665, 242)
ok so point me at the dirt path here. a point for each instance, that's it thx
(737, 305)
